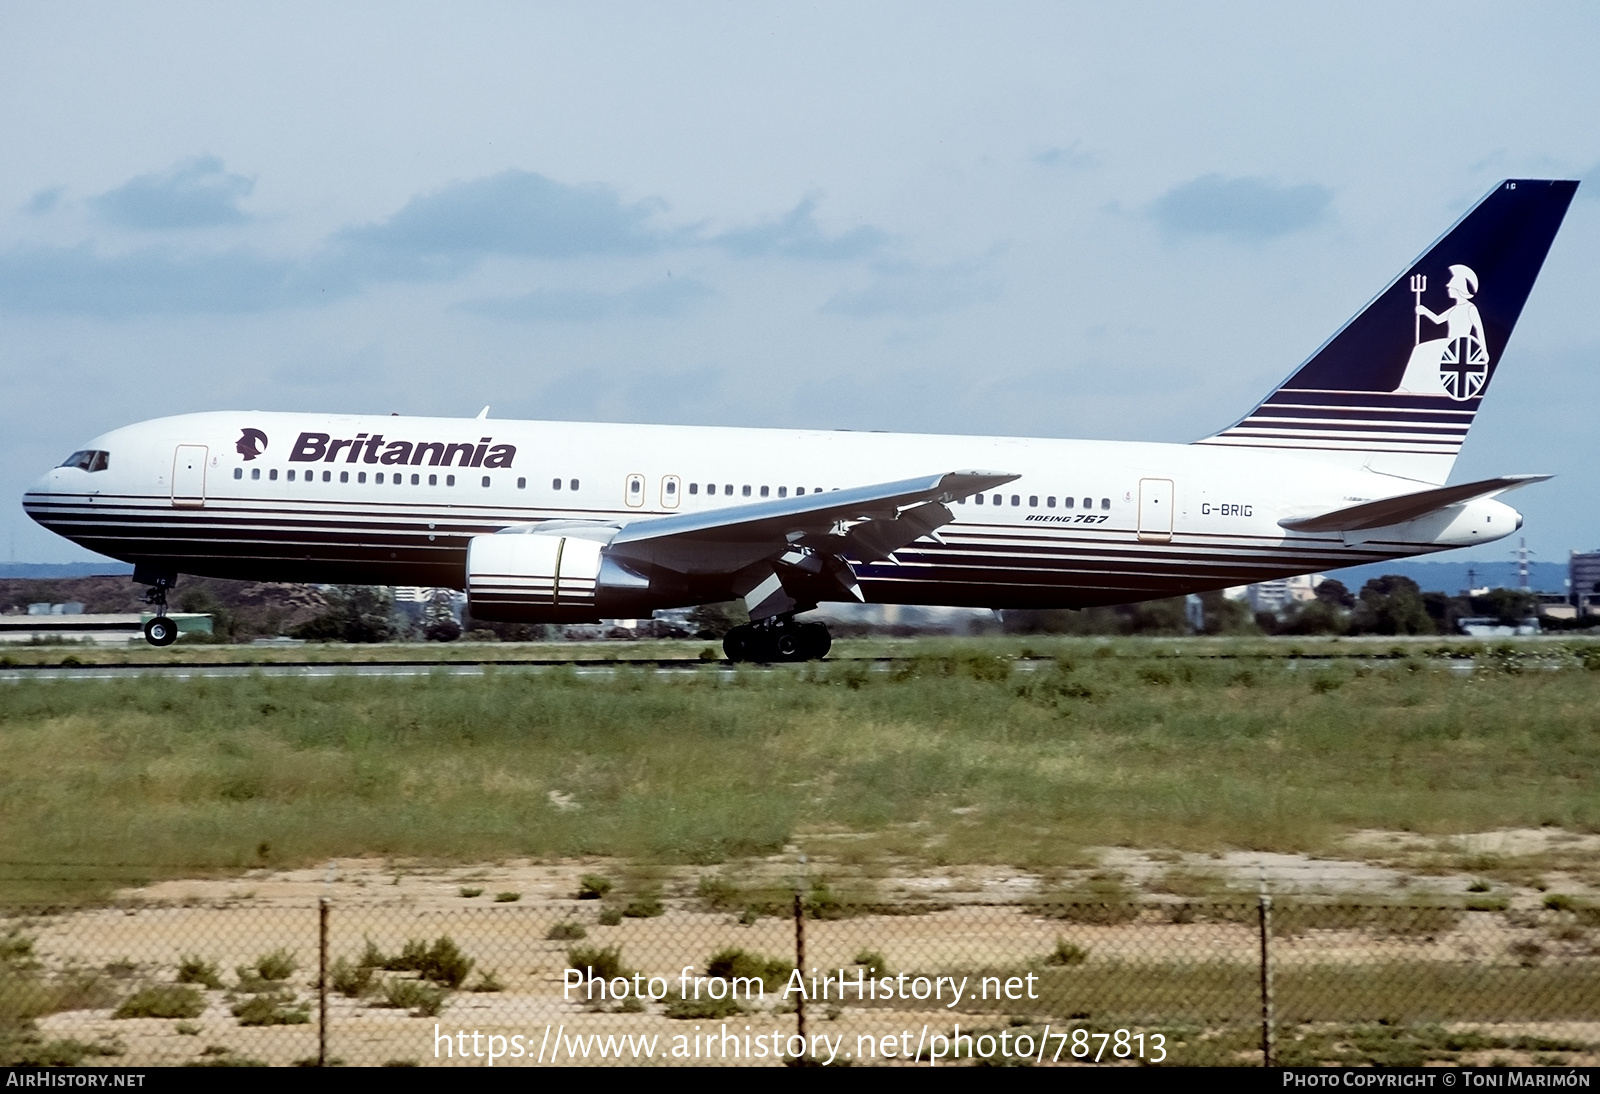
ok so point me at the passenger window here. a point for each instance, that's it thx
(764, 491)
(783, 491)
(273, 474)
(1105, 503)
(238, 472)
(998, 499)
(433, 480)
(290, 475)
(361, 476)
(555, 484)
(450, 480)
(728, 490)
(1088, 503)
(486, 480)
(344, 476)
(745, 491)
(799, 490)
(1016, 499)
(378, 478)
(1067, 503)
(694, 488)
(255, 472)
(977, 499)
(522, 484)
(635, 486)
(573, 485)
(1050, 502)
(416, 480)
(1033, 501)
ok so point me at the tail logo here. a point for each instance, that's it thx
(1457, 364)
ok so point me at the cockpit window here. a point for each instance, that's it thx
(88, 460)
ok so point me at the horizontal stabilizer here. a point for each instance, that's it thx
(1405, 507)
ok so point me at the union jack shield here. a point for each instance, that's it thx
(1464, 367)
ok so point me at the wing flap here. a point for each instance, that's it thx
(885, 517)
(1406, 507)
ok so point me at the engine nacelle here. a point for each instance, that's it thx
(551, 575)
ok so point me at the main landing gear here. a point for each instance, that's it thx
(160, 630)
(777, 639)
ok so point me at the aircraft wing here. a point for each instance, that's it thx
(865, 522)
(1405, 507)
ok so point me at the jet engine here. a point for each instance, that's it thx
(552, 573)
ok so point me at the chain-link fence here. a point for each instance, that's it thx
(580, 983)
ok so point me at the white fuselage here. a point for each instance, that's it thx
(1087, 522)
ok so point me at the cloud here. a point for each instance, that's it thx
(913, 291)
(1245, 210)
(669, 296)
(45, 200)
(193, 193)
(797, 235)
(77, 280)
(1071, 158)
(514, 213)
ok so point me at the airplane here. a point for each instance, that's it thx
(1343, 463)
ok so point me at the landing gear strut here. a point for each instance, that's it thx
(778, 639)
(160, 630)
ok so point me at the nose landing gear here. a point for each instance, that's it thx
(777, 639)
(159, 630)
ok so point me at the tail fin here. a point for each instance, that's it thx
(1369, 399)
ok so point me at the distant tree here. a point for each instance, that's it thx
(1391, 604)
(716, 620)
(355, 613)
(1316, 616)
(1335, 592)
(1508, 606)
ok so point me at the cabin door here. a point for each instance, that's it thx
(189, 476)
(1155, 510)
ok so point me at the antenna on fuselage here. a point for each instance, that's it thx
(484, 413)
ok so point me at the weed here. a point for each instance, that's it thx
(507, 897)
(488, 981)
(1066, 953)
(610, 917)
(739, 965)
(1527, 952)
(186, 1029)
(566, 931)
(705, 1007)
(272, 1009)
(192, 969)
(873, 961)
(470, 891)
(277, 965)
(593, 887)
(422, 999)
(354, 981)
(598, 962)
(644, 906)
(162, 1001)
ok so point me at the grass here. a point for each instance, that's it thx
(108, 784)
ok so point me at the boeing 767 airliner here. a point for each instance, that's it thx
(1344, 463)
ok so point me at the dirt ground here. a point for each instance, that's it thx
(983, 929)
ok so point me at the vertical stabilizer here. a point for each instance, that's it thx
(1397, 388)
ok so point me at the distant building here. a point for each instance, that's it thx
(1583, 582)
(1274, 596)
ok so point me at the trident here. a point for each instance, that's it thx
(1419, 283)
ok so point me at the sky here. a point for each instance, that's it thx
(1041, 219)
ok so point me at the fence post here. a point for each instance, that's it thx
(800, 943)
(1266, 980)
(322, 981)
